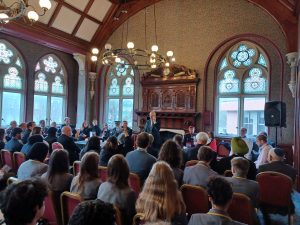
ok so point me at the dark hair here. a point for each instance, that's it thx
(36, 130)
(219, 190)
(15, 131)
(171, 153)
(2, 133)
(142, 140)
(35, 138)
(178, 139)
(118, 171)
(19, 201)
(212, 134)
(52, 132)
(29, 124)
(205, 153)
(93, 144)
(111, 143)
(58, 164)
(38, 151)
(93, 212)
(262, 137)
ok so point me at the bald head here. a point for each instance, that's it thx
(66, 130)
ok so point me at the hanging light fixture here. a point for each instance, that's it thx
(142, 59)
(12, 11)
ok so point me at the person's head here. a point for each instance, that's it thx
(93, 143)
(67, 121)
(191, 129)
(35, 138)
(202, 138)
(36, 130)
(105, 126)
(93, 212)
(125, 124)
(53, 124)
(95, 122)
(85, 124)
(152, 115)
(211, 134)
(239, 146)
(2, 134)
(23, 126)
(22, 203)
(219, 193)
(151, 139)
(57, 146)
(58, 164)
(243, 132)
(160, 198)
(52, 132)
(205, 154)
(13, 124)
(263, 133)
(240, 167)
(117, 123)
(171, 153)
(261, 140)
(16, 132)
(38, 151)
(118, 171)
(142, 140)
(30, 125)
(178, 139)
(42, 123)
(67, 130)
(111, 143)
(276, 154)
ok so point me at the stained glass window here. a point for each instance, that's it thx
(255, 83)
(41, 85)
(262, 61)
(50, 64)
(6, 54)
(223, 64)
(57, 86)
(229, 84)
(128, 88)
(242, 56)
(12, 80)
(114, 88)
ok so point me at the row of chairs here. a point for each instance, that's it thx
(13, 161)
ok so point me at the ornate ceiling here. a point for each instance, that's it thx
(77, 25)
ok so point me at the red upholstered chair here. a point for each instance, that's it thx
(135, 183)
(68, 202)
(191, 163)
(222, 151)
(241, 209)
(195, 198)
(49, 213)
(76, 167)
(18, 158)
(102, 173)
(275, 191)
(7, 159)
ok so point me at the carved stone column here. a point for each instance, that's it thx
(292, 60)
(92, 78)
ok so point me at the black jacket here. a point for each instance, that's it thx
(192, 153)
(70, 146)
(154, 130)
(279, 167)
(26, 136)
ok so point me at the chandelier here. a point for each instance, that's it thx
(18, 10)
(142, 59)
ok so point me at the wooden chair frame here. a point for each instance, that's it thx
(69, 195)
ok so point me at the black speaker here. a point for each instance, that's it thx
(275, 114)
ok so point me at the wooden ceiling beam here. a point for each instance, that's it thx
(54, 15)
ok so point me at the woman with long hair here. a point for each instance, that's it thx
(116, 189)
(171, 153)
(109, 149)
(93, 144)
(58, 176)
(160, 199)
(84, 131)
(87, 182)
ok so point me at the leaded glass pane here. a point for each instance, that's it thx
(57, 86)
(57, 105)
(39, 107)
(229, 84)
(114, 89)
(127, 111)
(61, 72)
(128, 87)
(5, 54)
(41, 85)
(262, 61)
(12, 80)
(18, 63)
(38, 67)
(11, 108)
(228, 116)
(113, 111)
(121, 69)
(50, 64)
(223, 64)
(242, 56)
(255, 83)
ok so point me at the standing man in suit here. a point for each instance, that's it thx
(152, 127)
(117, 130)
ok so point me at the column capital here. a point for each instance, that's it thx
(292, 59)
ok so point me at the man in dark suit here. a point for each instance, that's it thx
(30, 126)
(201, 139)
(152, 127)
(117, 130)
(67, 122)
(95, 128)
(67, 141)
(14, 144)
(189, 138)
(105, 133)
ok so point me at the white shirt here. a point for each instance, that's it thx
(263, 155)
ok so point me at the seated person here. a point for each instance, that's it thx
(92, 212)
(150, 149)
(139, 161)
(277, 164)
(248, 141)
(93, 144)
(42, 125)
(23, 203)
(269, 141)
(109, 149)
(14, 144)
(200, 173)
(189, 138)
(67, 122)
(201, 139)
(264, 148)
(105, 133)
(117, 129)
(124, 138)
(13, 124)
(239, 181)
(31, 140)
(34, 166)
(95, 128)
(220, 196)
(2, 136)
(30, 126)
(84, 131)
(51, 137)
(212, 142)
(239, 149)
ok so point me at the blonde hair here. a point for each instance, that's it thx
(160, 198)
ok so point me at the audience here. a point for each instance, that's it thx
(150, 149)
(34, 166)
(220, 196)
(87, 182)
(84, 131)
(57, 146)
(31, 140)
(30, 126)
(14, 144)
(212, 142)
(178, 140)
(171, 153)
(139, 161)
(95, 128)
(36, 130)
(93, 144)
(277, 164)
(105, 133)
(200, 173)
(189, 138)
(248, 141)
(51, 137)
(23, 203)
(109, 149)
(160, 200)
(116, 189)
(13, 124)
(93, 212)
(2, 138)
(117, 130)
(42, 125)
(201, 139)
(264, 148)
(58, 177)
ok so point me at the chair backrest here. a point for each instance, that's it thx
(6, 158)
(241, 209)
(18, 158)
(222, 151)
(195, 198)
(275, 188)
(191, 163)
(133, 139)
(102, 170)
(49, 213)
(138, 219)
(76, 167)
(135, 183)
(68, 202)
(228, 173)
(118, 215)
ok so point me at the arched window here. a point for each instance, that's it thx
(120, 93)
(49, 90)
(12, 71)
(242, 84)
